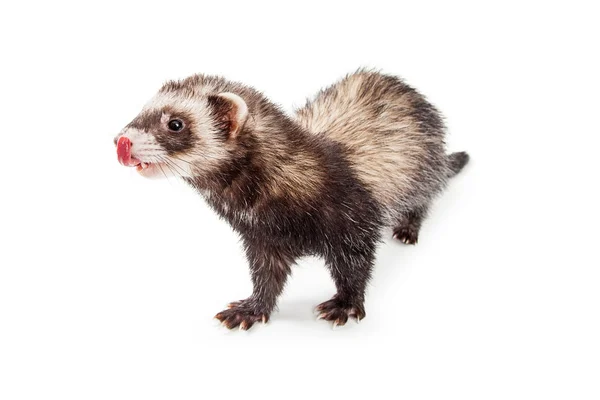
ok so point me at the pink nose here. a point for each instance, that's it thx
(124, 151)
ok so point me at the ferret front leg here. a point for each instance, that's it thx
(269, 269)
(351, 271)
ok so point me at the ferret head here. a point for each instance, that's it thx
(184, 131)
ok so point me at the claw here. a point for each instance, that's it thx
(337, 323)
(264, 319)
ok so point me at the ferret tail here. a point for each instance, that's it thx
(456, 162)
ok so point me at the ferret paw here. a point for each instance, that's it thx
(239, 314)
(338, 311)
(406, 235)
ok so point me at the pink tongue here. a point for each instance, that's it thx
(124, 152)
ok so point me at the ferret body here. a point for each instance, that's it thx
(365, 154)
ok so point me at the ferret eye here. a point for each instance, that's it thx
(175, 125)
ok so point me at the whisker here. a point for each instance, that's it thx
(170, 164)
(204, 156)
(147, 148)
(141, 155)
(184, 172)
(163, 172)
(181, 159)
(170, 169)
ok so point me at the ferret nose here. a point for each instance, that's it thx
(124, 150)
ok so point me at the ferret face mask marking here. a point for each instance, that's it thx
(153, 141)
(185, 140)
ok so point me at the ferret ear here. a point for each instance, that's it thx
(230, 111)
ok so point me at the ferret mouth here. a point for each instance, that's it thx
(140, 165)
(127, 159)
(146, 168)
(131, 161)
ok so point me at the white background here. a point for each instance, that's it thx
(109, 282)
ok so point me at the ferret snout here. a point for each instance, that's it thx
(124, 151)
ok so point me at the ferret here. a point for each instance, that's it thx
(367, 153)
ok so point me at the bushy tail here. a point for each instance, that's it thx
(456, 162)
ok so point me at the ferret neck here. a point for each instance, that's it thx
(274, 160)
